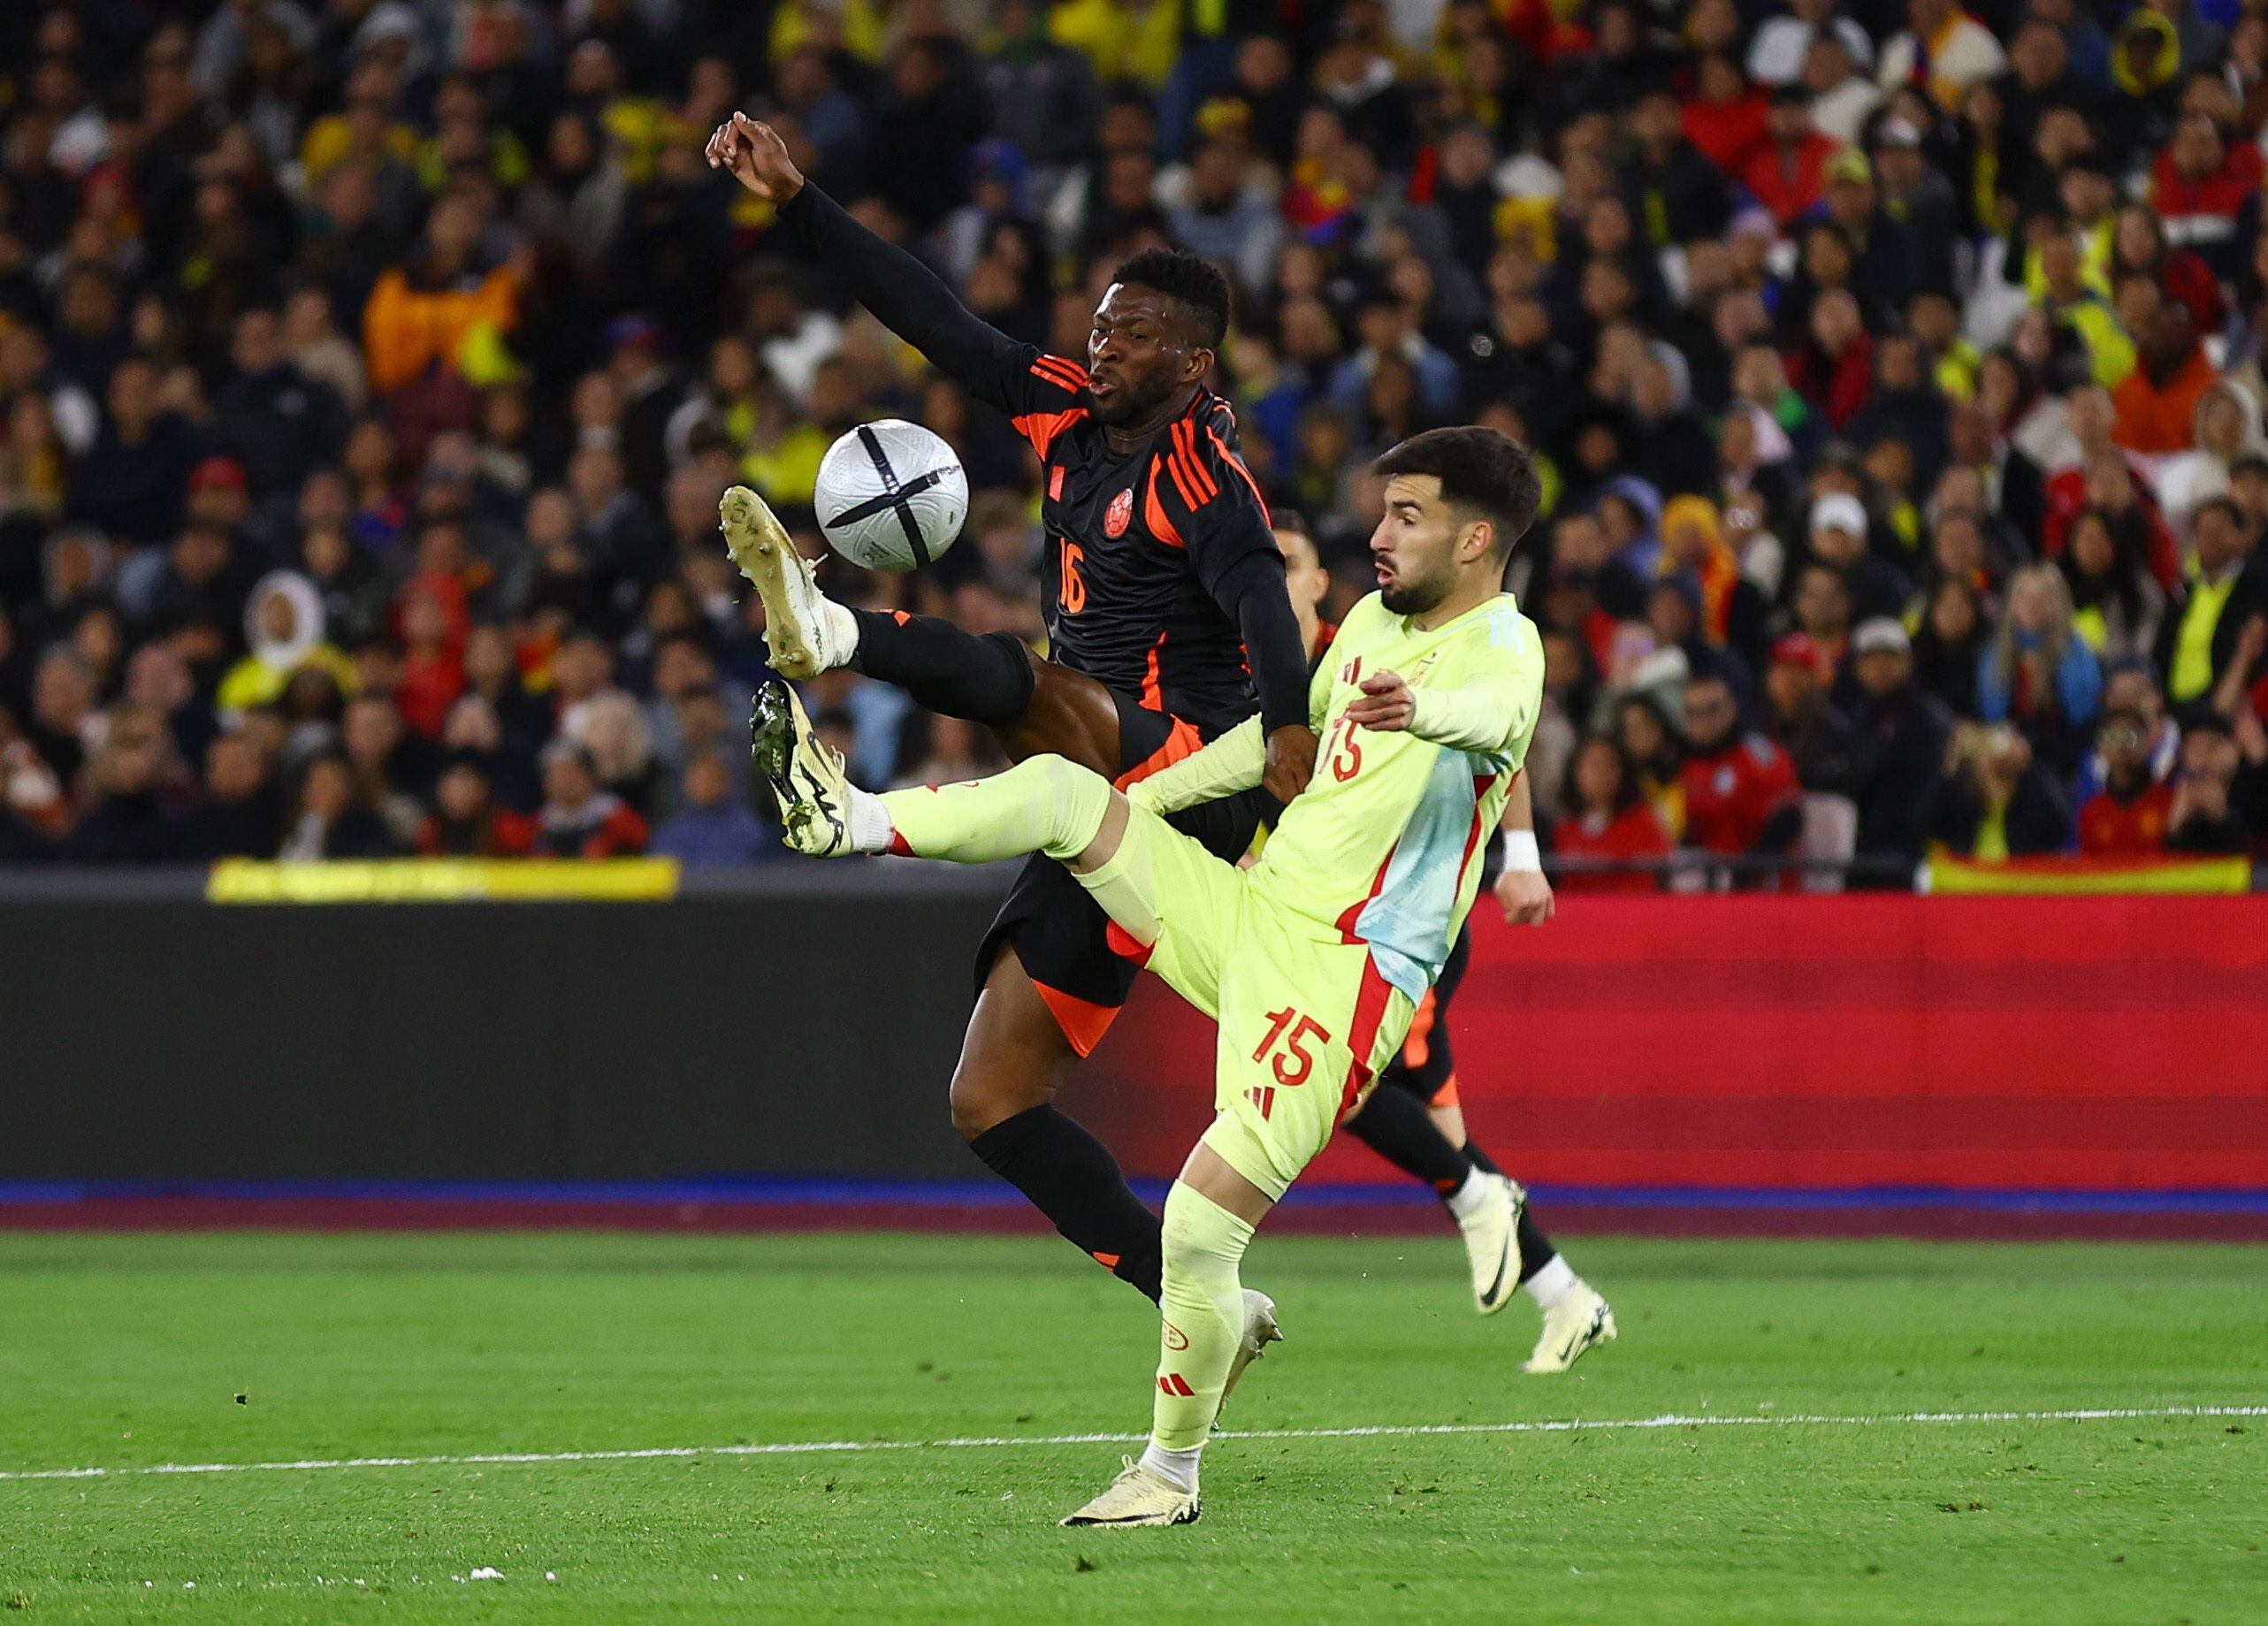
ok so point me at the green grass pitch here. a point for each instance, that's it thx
(121, 1353)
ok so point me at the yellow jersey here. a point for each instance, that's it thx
(1385, 846)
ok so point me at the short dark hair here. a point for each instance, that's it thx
(2225, 505)
(1478, 469)
(1188, 281)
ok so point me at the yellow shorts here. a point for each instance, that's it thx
(1306, 1021)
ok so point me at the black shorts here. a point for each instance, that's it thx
(1059, 932)
(1426, 1068)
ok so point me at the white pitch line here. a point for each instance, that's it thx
(811, 1447)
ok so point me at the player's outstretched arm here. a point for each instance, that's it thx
(904, 294)
(1233, 762)
(1488, 717)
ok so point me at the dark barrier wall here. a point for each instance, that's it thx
(812, 1034)
(1740, 1041)
(2115, 1043)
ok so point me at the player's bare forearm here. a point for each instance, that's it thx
(1291, 762)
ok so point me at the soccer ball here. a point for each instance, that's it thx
(891, 495)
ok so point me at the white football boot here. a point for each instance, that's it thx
(805, 776)
(1140, 1495)
(806, 631)
(1492, 1235)
(1578, 1323)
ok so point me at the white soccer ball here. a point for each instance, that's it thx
(891, 495)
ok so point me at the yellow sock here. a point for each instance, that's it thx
(1203, 1309)
(1042, 805)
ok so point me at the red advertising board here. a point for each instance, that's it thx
(2039, 1045)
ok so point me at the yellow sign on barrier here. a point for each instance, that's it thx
(444, 881)
(1950, 877)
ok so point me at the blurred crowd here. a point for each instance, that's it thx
(369, 371)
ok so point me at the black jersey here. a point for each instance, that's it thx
(1140, 544)
(1137, 544)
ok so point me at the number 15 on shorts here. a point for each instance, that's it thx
(1289, 1035)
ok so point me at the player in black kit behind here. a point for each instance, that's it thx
(1168, 623)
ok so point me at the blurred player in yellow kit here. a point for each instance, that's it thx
(1314, 959)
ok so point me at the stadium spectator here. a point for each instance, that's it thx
(328, 822)
(467, 822)
(578, 820)
(2129, 816)
(712, 827)
(1607, 818)
(2213, 626)
(1740, 791)
(2038, 673)
(2216, 790)
(1899, 734)
(1993, 800)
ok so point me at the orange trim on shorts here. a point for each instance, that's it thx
(1417, 1049)
(1109, 1262)
(1082, 1020)
(1446, 1095)
(1182, 741)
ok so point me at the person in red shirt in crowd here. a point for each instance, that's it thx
(1607, 819)
(1833, 366)
(1789, 174)
(2138, 247)
(579, 820)
(2107, 483)
(1727, 118)
(1741, 792)
(2128, 817)
(2200, 183)
(434, 627)
(466, 822)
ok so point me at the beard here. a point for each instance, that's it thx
(1414, 597)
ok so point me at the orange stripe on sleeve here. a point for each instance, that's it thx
(1042, 429)
(1180, 481)
(1200, 477)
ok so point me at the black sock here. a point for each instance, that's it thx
(1071, 1177)
(1536, 1249)
(986, 680)
(1396, 1125)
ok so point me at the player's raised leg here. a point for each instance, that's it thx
(992, 680)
